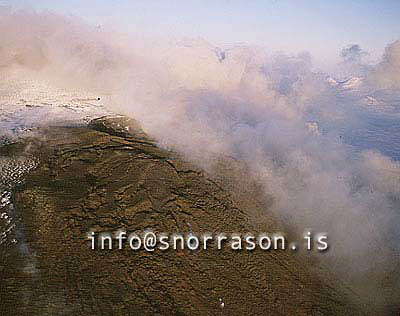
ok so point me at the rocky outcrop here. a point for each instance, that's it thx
(111, 176)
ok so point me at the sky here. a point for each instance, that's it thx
(321, 27)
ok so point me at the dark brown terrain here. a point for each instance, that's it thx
(102, 178)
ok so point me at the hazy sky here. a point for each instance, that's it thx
(321, 27)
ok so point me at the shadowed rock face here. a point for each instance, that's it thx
(107, 177)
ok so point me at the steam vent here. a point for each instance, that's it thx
(108, 176)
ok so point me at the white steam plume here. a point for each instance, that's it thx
(270, 111)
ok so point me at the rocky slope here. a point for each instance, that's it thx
(110, 175)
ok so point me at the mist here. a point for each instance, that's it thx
(289, 124)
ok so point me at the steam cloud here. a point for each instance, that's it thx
(387, 73)
(271, 111)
